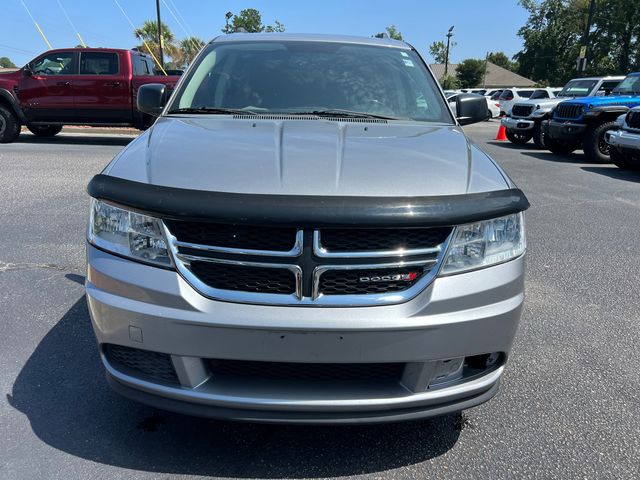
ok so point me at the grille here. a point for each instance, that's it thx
(367, 240)
(568, 111)
(245, 279)
(157, 366)
(521, 110)
(351, 282)
(308, 372)
(233, 236)
(633, 119)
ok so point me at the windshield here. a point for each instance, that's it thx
(539, 94)
(577, 88)
(629, 86)
(292, 77)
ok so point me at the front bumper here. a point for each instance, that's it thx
(147, 308)
(518, 124)
(565, 130)
(623, 139)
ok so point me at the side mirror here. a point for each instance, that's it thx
(152, 98)
(471, 108)
(27, 71)
(601, 93)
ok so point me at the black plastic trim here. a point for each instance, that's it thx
(302, 418)
(305, 210)
(13, 103)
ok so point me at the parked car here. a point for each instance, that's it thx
(511, 95)
(525, 119)
(585, 121)
(493, 94)
(625, 142)
(76, 86)
(293, 246)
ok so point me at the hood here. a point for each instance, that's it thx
(591, 102)
(545, 103)
(308, 157)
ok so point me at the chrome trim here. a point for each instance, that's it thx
(296, 251)
(322, 252)
(295, 269)
(181, 263)
(318, 271)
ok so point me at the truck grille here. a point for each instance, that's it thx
(522, 111)
(568, 111)
(633, 119)
(308, 372)
(308, 267)
(141, 363)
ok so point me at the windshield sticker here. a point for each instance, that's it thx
(404, 54)
(408, 63)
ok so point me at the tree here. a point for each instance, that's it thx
(449, 82)
(189, 48)
(6, 63)
(438, 50)
(470, 72)
(250, 20)
(392, 32)
(148, 33)
(502, 60)
(553, 33)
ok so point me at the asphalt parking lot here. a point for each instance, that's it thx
(569, 405)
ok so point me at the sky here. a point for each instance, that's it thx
(479, 26)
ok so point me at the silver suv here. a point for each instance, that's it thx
(305, 235)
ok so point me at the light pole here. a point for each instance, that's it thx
(446, 55)
(159, 33)
(582, 58)
(227, 17)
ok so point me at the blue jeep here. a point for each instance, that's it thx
(586, 120)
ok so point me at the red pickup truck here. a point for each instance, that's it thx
(76, 86)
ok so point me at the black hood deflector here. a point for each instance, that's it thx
(307, 211)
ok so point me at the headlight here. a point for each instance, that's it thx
(486, 243)
(127, 233)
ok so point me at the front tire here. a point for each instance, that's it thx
(539, 138)
(517, 137)
(558, 146)
(625, 160)
(595, 146)
(44, 131)
(9, 125)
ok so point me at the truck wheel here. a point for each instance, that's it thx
(558, 146)
(625, 159)
(539, 137)
(44, 130)
(517, 137)
(9, 125)
(595, 146)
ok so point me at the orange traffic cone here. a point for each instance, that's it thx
(502, 134)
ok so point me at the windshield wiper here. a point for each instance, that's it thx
(338, 112)
(213, 111)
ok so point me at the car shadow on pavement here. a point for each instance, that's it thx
(556, 157)
(63, 392)
(513, 146)
(85, 139)
(615, 172)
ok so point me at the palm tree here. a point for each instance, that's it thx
(189, 48)
(148, 33)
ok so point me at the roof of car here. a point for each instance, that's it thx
(311, 37)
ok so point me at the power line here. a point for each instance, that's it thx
(175, 8)
(189, 37)
(36, 24)
(64, 12)
(143, 40)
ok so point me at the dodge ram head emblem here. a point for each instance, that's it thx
(397, 277)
